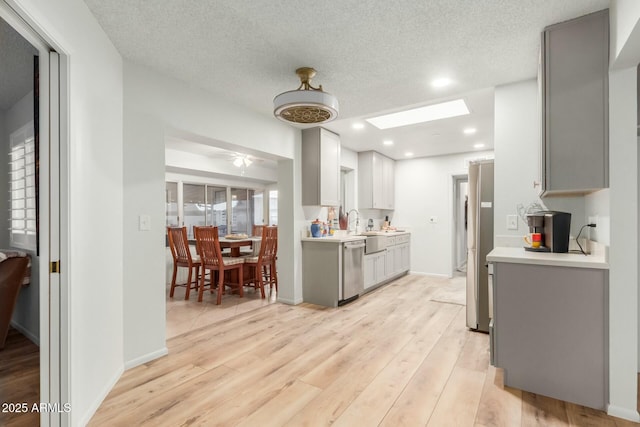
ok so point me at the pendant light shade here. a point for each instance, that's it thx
(307, 104)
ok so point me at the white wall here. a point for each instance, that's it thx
(155, 104)
(624, 322)
(94, 261)
(623, 260)
(597, 210)
(624, 33)
(517, 168)
(26, 314)
(424, 188)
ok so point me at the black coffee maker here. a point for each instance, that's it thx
(554, 226)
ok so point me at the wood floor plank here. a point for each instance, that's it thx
(459, 401)
(500, 406)
(580, 416)
(283, 407)
(538, 410)
(19, 379)
(372, 404)
(421, 395)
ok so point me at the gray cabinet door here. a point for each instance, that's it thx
(550, 331)
(575, 63)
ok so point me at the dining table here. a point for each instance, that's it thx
(234, 244)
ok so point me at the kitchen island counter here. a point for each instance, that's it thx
(598, 260)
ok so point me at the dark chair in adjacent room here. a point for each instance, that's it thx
(12, 272)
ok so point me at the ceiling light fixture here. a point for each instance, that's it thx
(242, 160)
(307, 104)
(408, 154)
(387, 142)
(429, 113)
(469, 131)
(442, 82)
(479, 145)
(358, 125)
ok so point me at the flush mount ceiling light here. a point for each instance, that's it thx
(479, 145)
(442, 82)
(469, 131)
(387, 142)
(307, 104)
(242, 160)
(429, 113)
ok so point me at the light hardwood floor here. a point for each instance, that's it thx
(398, 356)
(19, 379)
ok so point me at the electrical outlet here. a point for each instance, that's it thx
(512, 222)
(593, 220)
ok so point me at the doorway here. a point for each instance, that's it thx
(459, 245)
(31, 129)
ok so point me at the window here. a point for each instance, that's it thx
(194, 206)
(243, 207)
(172, 204)
(232, 210)
(217, 208)
(22, 178)
(273, 207)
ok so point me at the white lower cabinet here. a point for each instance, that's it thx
(374, 269)
(389, 264)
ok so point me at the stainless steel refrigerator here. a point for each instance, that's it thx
(479, 242)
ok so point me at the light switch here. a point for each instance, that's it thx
(512, 222)
(144, 222)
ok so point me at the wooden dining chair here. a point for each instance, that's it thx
(256, 230)
(273, 257)
(260, 267)
(179, 244)
(208, 243)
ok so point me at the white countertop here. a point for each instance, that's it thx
(520, 256)
(383, 233)
(334, 239)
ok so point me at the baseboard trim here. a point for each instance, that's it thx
(93, 408)
(290, 301)
(24, 331)
(146, 358)
(624, 413)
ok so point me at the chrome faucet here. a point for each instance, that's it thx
(349, 220)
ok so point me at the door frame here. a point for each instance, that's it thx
(53, 214)
(455, 182)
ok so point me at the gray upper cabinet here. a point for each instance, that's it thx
(320, 167)
(376, 181)
(575, 121)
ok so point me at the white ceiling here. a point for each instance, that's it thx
(374, 56)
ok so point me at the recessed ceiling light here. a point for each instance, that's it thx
(442, 82)
(420, 115)
(470, 131)
(408, 154)
(358, 125)
(479, 145)
(387, 142)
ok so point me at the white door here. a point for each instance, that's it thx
(53, 315)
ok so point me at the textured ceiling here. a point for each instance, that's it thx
(374, 56)
(16, 66)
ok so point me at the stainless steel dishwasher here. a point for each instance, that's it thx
(352, 271)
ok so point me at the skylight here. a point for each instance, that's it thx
(428, 113)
